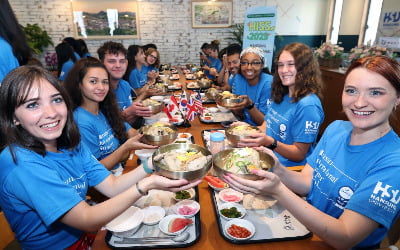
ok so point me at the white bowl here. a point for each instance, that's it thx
(229, 205)
(144, 153)
(241, 223)
(230, 195)
(157, 98)
(213, 109)
(127, 223)
(163, 225)
(187, 208)
(191, 192)
(223, 109)
(153, 215)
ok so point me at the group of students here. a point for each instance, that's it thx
(349, 178)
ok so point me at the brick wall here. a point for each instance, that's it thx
(167, 23)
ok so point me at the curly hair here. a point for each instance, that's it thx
(308, 78)
(14, 92)
(111, 48)
(109, 106)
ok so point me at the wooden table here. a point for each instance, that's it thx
(210, 237)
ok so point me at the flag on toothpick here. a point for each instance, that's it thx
(183, 104)
(198, 103)
(191, 109)
(172, 107)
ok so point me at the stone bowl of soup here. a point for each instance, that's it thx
(235, 133)
(212, 93)
(227, 99)
(154, 105)
(158, 133)
(182, 161)
(240, 161)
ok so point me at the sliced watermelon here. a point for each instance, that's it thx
(178, 224)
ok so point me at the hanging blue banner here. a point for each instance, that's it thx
(259, 30)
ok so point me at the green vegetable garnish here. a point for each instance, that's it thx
(231, 212)
(181, 195)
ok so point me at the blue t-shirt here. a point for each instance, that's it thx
(37, 190)
(8, 61)
(97, 133)
(290, 122)
(215, 63)
(259, 93)
(362, 178)
(138, 78)
(123, 94)
(66, 67)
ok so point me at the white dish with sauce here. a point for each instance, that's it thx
(153, 215)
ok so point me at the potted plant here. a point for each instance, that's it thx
(37, 38)
(329, 55)
(368, 50)
(237, 33)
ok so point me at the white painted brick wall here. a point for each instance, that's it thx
(167, 23)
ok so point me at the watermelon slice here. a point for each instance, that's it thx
(178, 224)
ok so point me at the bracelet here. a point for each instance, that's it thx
(146, 167)
(250, 106)
(140, 191)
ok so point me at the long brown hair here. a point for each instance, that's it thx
(13, 93)
(308, 77)
(109, 106)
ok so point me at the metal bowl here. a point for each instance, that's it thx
(154, 106)
(212, 93)
(234, 139)
(219, 163)
(158, 140)
(163, 170)
(204, 83)
(228, 102)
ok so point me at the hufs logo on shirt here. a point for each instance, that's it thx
(385, 197)
(344, 196)
(311, 127)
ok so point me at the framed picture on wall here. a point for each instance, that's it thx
(100, 19)
(211, 14)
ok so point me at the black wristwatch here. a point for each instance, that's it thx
(273, 145)
(250, 106)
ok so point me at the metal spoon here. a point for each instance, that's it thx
(176, 238)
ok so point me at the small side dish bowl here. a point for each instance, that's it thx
(230, 195)
(185, 194)
(235, 133)
(190, 175)
(222, 109)
(153, 215)
(127, 223)
(158, 133)
(239, 229)
(231, 210)
(164, 224)
(187, 208)
(213, 109)
(220, 160)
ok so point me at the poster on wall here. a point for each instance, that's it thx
(259, 30)
(105, 19)
(210, 14)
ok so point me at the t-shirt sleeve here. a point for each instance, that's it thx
(308, 119)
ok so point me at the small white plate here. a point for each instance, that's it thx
(230, 195)
(241, 223)
(191, 191)
(185, 206)
(157, 98)
(213, 109)
(163, 225)
(153, 215)
(228, 205)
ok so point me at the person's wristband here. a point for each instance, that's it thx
(140, 190)
(146, 167)
(273, 145)
(250, 106)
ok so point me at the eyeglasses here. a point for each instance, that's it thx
(154, 57)
(254, 64)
